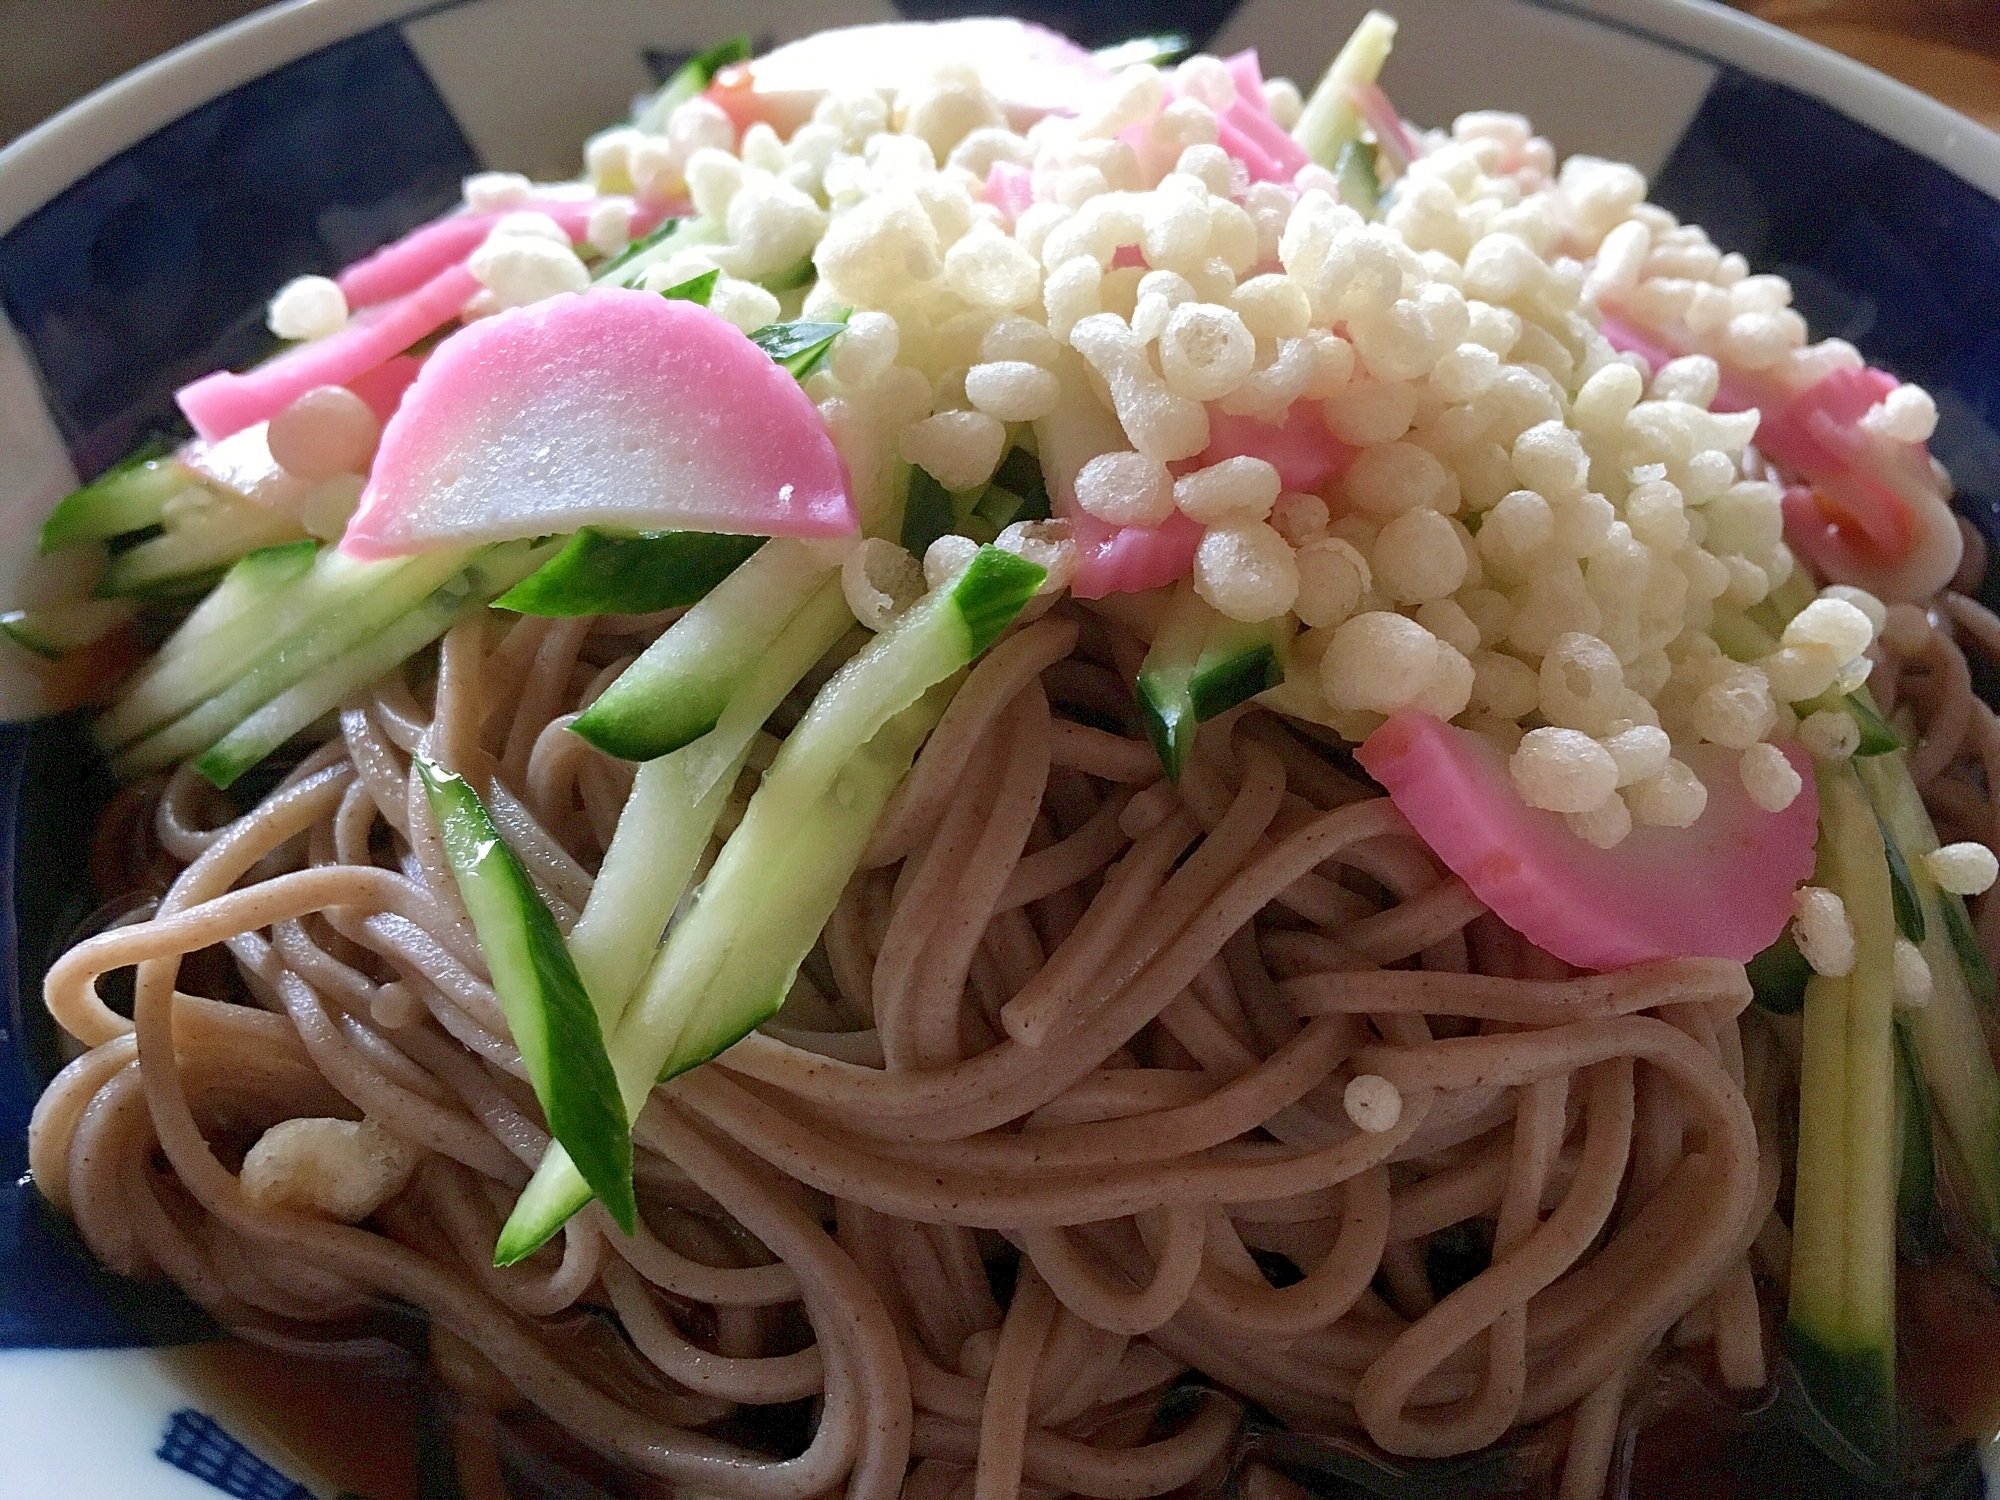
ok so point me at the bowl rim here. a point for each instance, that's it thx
(37, 166)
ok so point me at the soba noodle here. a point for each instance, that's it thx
(1052, 1119)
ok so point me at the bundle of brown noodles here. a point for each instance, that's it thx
(1056, 1115)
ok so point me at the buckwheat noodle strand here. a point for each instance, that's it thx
(1052, 1122)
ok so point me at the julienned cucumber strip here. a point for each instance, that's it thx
(676, 691)
(260, 604)
(733, 966)
(205, 532)
(727, 965)
(664, 1027)
(254, 577)
(602, 572)
(1877, 738)
(1330, 119)
(614, 267)
(1779, 976)
(1841, 1318)
(547, 1011)
(1903, 891)
(1238, 662)
(800, 346)
(326, 635)
(1947, 1041)
(1203, 664)
(697, 289)
(806, 869)
(928, 513)
(56, 631)
(1971, 952)
(554, 1195)
(321, 691)
(689, 79)
(1158, 49)
(675, 800)
(661, 245)
(1360, 187)
(130, 497)
(940, 633)
(1919, 1230)
(1165, 692)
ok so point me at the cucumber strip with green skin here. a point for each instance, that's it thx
(942, 633)
(731, 962)
(675, 801)
(928, 513)
(1877, 737)
(548, 1013)
(1920, 1233)
(1947, 1039)
(630, 267)
(1020, 473)
(1238, 662)
(1779, 976)
(768, 901)
(805, 273)
(696, 289)
(689, 79)
(1842, 1309)
(603, 572)
(1903, 891)
(253, 578)
(801, 346)
(1166, 677)
(615, 265)
(131, 497)
(324, 636)
(1971, 952)
(204, 532)
(676, 691)
(553, 1196)
(1330, 119)
(258, 606)
(727, 965)
(1360, 186)
(1741, 638)
(321, 691)
(1158, 49)
(56, 631)
(999, 507)
(1201, 665)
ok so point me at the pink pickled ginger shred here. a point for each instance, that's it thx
(404, 265)
(1247, 131)
(1300, 448)
(1719, 889)
(607, 407)
(1130, 559)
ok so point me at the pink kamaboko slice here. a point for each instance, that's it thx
(1719, 889)
(1031, 70)
(225, 402)
(600, 408)
(1869, 508)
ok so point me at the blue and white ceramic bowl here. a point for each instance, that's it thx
(142, 230)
